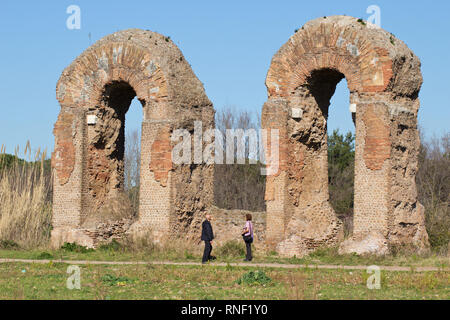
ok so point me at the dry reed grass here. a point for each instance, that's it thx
(25, 198)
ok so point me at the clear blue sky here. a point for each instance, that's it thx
(228, 43)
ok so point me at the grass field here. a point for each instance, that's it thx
(48, 281)
(25, 226)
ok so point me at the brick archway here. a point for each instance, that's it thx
(95, 92)
(384, 80)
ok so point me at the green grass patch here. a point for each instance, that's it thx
(115, 282)
(231, 249)
(8, 244)
(114, 245)
(45, 256)
(230, 252)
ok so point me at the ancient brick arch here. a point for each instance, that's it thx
(95, 92)
(383, 77)
(384, 80)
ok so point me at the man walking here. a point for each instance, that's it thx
(207, 236)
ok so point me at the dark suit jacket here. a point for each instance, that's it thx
(207, 231)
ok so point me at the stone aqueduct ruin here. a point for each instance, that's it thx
(384, 80)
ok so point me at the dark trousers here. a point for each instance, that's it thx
(248, 245)
(207, 251)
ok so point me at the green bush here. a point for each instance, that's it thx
(25, 197)
(189, 255)
(73, 247)
(114, 245)
(254, 278)
(45, 255)
(433, 186)
(8, 161)
(439, 233)
(8, 244)
(324, 252)
(231, 249)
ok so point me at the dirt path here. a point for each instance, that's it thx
(255, 265)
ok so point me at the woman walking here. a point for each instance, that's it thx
(248, 236)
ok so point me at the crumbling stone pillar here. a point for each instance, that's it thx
(95, 92)
(384, 79)
(67, 162)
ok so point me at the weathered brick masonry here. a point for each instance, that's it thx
(95, 92)
(384, 80)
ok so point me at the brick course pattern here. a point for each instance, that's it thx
(384, 79)
(161, 154)
(95, 92)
